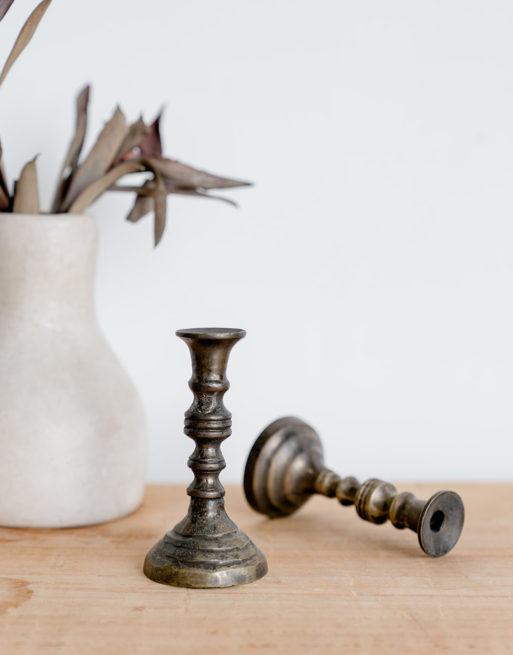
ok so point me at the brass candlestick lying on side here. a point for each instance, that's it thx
(285, 468)
(206, 549)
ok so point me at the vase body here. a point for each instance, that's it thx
(72, 429)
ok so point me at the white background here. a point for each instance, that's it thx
(371, 264)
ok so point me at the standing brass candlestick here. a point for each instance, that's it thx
(285, 468)
(206, 549)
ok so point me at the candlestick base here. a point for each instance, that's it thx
(205, 551)
(282, 467)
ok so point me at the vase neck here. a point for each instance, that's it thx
(47, 267)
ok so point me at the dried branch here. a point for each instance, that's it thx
(26, 197)
(119, 150)
(24, 37)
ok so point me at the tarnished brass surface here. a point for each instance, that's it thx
(206, 549)
(286, 467)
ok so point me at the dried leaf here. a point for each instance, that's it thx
(74, 150)
(180, 175)
(3, 179)
(175, 173)
(160, 214)
(99, 159)
(4, 201)
(143, 205)
(135, 135)
(24, 37)
(159, 197)
(95, 190)
(151, 145)
(158, 191)
(4, 7)
(26, 197)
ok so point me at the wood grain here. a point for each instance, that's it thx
(335, 585)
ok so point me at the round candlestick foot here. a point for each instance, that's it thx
(282, 467)
(228, 560)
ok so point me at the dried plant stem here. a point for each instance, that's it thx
(140, 190)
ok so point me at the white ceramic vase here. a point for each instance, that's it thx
(72, 429)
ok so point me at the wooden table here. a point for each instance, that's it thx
(335, 585)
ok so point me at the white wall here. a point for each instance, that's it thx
(372, 262)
